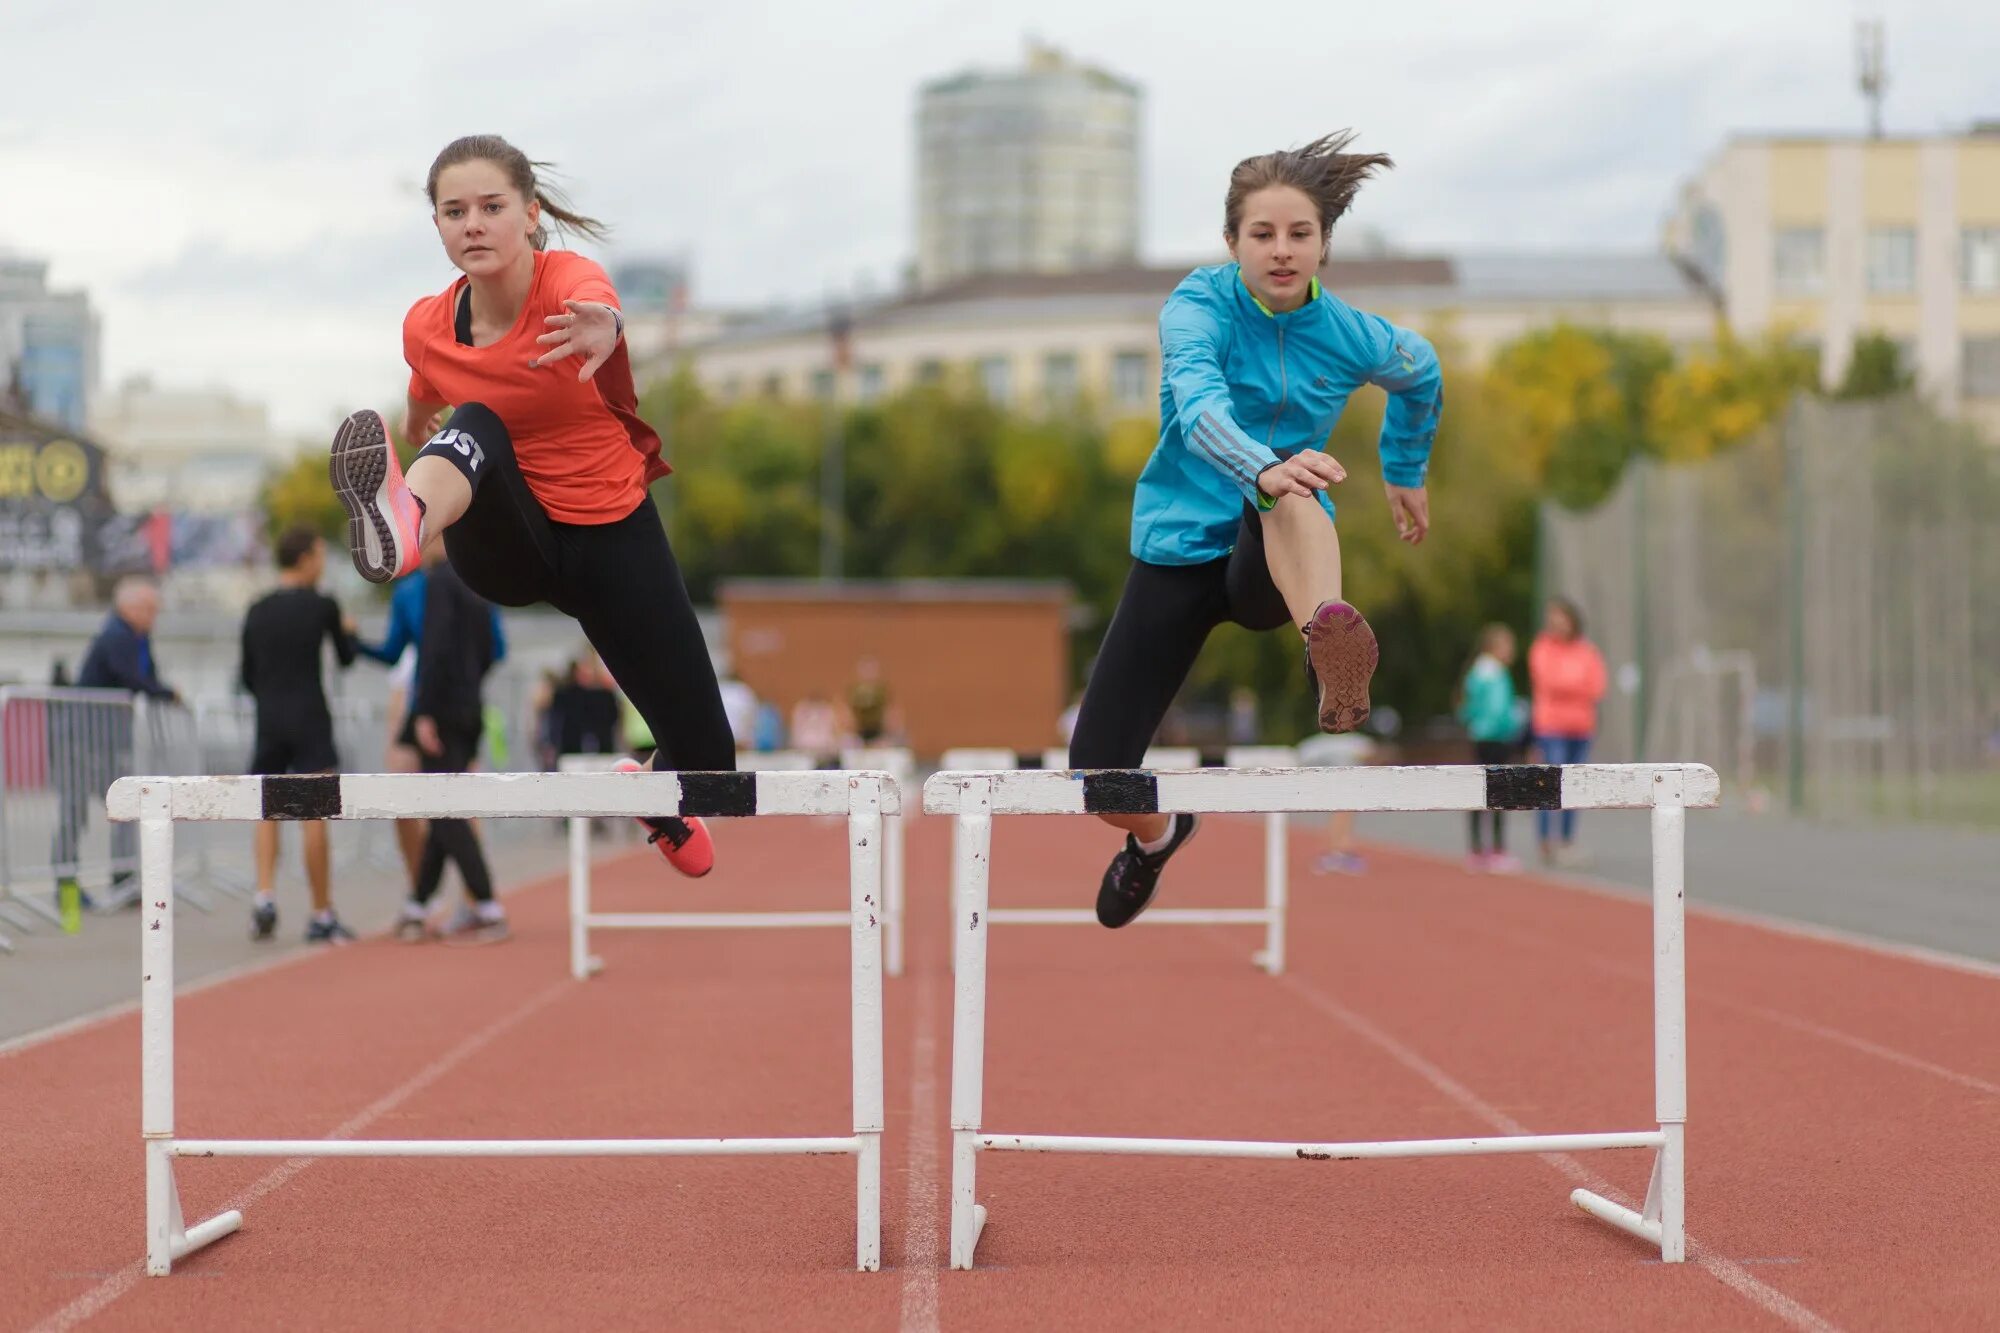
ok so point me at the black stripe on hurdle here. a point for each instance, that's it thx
(1028, 759)
(1119, 791)
(718, 794)
(1524, 787)
(312, 796)
(1214, 759)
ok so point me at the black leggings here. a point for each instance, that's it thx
(1163, 618)
(1490, 752)
(617, 580)
(452, 839)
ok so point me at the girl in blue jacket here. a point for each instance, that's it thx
(1231, 520)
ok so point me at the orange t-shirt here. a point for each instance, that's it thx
(584, 451)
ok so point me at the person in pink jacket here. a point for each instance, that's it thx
(1565, 682)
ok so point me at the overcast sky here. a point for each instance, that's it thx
(238, 183)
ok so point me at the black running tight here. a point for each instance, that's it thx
(1163, 618)
(617, 580)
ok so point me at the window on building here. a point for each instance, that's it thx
(1982, 368)
(1059, 379)
(930, 372)
(774, 386)
(1131, 379)
(1892, 260)
(996, 379)
(1981, 247)
(822, 386)
(1799, 261)
(871, 382)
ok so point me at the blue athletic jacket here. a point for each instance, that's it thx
(1242, 388)
(406, 623)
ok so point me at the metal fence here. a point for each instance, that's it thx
(61, 748)
(1813, 613)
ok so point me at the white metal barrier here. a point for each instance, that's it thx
(1667, 790)
(59, 747)
(159, 803)
(1277, 845)
(896, 763)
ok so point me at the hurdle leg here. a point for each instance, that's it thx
(951, 897)
(581, 964)
(893, 832)
(1277, 867)
(970, 866)
(167, 1237)
(1670, 1012)
(156, 1026)
(1662, 1219)
(866, 908)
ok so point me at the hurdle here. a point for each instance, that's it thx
(157, 804)
(899, 765)
(1667, 790)
(1277, 845)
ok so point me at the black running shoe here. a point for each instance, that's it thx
(1134, 876)
(327, 932)
(263, 920)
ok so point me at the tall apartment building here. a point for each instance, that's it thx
(1833, 236)
(1033, 170)
(48, 345)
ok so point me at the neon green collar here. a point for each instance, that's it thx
(1312, 293)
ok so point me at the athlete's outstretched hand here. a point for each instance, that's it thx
(589, 330)
(1410, 506)
(1304, 472)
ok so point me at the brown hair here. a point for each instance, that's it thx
(1320, 171)
(521, 174)
(295, 545)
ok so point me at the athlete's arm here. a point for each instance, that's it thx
(1404, 363)
(1191, 339)
(422, 419)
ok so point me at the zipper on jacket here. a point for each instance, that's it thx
(1284, 393)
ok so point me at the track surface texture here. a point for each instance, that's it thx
(1844, 1107)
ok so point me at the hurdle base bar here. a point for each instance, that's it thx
(845, 1145)
(1159, 916)
(1618, 1215)
(714, 920)
(1318, 1152)
(183, 1240)
(1648, 1224)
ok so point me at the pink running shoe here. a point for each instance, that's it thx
(384, 522)
(684, 842)
(1341, 650)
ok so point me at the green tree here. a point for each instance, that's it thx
(1875, 369)
(301, 493)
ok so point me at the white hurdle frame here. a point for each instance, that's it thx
(1277, 847)
(158, 803)
(1667, 790)
(898, 763)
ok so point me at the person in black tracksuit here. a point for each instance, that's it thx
(446, 721)
(282, 637)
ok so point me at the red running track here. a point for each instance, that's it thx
(1845, 1107)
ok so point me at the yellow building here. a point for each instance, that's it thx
(1834, 236)
(1034, 340)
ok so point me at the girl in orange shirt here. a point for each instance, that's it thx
(1566, 680)
(537, 484)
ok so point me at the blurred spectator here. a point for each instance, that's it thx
(870, 710)
(1486, 706)
(1566, 680)
(282, 636)
(85, 759)
(816, 726)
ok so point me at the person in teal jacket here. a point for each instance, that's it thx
(1492, 715)
(1232, 520)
